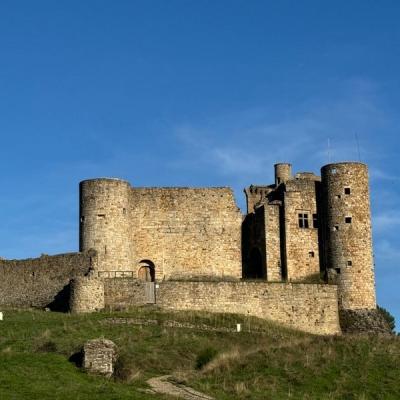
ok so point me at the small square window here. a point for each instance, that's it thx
(311, 254)
(303, 220)
(349, 263)
(347, 220)
(337, 270)
(347, 190)
(336, 228)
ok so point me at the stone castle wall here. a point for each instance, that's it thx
(301, 244)
(41, 282)
(187, 232)
(308, 307)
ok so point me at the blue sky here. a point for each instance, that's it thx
(193, 93)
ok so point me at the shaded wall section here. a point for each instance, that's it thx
(41, 282)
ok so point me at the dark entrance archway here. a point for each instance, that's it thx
(147, 272)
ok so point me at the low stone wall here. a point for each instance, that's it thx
(41, 282)
(120, 293)
(309, 307)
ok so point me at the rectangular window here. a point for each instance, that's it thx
(311, 254)
(347, 220)
(347, 190)
(315, 220)
(303, 220)
(349, 263)
(101, 215)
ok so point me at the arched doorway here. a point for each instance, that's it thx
(147, 272)
(256, 270)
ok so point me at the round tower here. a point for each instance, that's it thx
(348, 246)
(283, 172)
(87, 295)
(105, 223)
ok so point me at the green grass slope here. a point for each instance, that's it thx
(264, 361)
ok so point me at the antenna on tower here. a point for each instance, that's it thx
(329, 150)
(358, 147)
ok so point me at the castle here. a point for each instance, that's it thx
(301, 255)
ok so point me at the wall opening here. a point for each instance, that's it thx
(347, 220)
(147, 272)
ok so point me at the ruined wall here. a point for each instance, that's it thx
(41, 282)
(301, 244)
(348, 232)
(187, 232)
(311, 308)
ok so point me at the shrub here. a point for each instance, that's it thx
(47, 347)
(205, 356)
(387, 317)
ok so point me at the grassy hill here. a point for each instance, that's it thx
(264, 361)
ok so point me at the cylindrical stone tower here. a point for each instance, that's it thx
(347, 220)
(105, 223)
(87, 295)
(283, 172)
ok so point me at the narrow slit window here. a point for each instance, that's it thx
(303, 220)
(101, 215)
(347, 190)
(315, 220)
(347, 220)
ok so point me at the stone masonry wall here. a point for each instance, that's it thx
(187, 232)
(41, 282)
(302, 248)
(273, 242)
(121, 293)
(308, 307)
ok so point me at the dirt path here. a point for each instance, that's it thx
(160, 384)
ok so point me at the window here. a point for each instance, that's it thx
(101, 215)
(82, 219)
(347, 220)
(347, 190)
(349, 263)
(336, 228)
(311, 254)
(303, 220)
(315, 220)
(337, 270)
